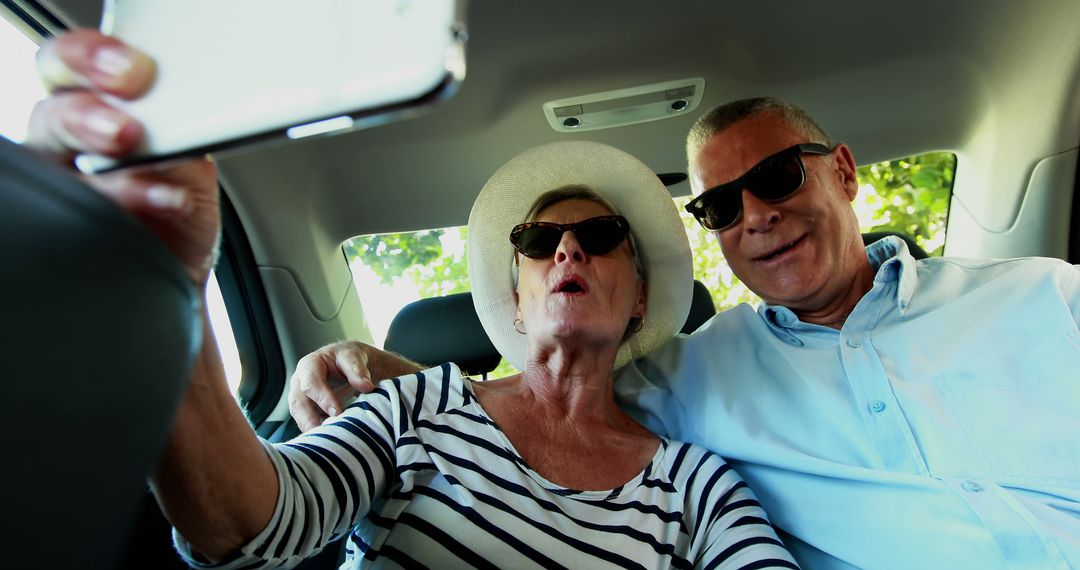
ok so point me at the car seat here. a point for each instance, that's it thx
(100, 331)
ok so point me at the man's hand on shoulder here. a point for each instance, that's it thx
(326, 378)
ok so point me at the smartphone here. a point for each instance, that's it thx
(236, 74)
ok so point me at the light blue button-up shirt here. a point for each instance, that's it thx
(939, 428)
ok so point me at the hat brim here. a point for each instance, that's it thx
(636, 193)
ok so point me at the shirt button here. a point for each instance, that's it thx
(854, 343)
(971, 486)
(877, 406)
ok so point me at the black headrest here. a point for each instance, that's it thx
(443, 329)
(916, 251)
(701, 308)
(99, 330)
(446, 329)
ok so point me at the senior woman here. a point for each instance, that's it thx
(539, 469)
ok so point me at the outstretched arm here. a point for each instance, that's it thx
(214, 482)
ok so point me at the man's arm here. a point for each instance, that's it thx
(337, 372)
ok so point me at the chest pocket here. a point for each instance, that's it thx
(1021, 411)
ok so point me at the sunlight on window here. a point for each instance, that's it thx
(21, 86)
(393, 270)
(909, 195)
(381, 301)
(223, 332)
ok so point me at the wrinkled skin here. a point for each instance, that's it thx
(826, 272)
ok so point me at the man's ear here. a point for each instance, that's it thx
(845, 165)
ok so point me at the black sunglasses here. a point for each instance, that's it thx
(774, 179)
(597, 236)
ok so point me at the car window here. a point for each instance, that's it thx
(21, 86)
(909, 195)
(223, 332)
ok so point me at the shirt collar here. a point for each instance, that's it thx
(891, 261)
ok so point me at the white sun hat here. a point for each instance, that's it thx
(637, 194)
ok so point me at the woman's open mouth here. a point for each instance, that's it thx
(571, 285)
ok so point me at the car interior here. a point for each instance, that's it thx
(996, 84)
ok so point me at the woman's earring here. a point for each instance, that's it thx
(637, 326)
(519, 326)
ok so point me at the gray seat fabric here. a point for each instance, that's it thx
(701, 308)
(99, 328)
(443, 329)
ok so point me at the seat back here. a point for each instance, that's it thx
(702, 308)
(443, 329)
(100, 325)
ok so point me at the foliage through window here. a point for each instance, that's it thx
(909, 195)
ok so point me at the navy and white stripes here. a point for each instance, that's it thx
(418, 475)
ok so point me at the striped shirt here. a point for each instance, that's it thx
(417, 474)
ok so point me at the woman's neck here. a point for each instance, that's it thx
(560, 415)
(574, 382)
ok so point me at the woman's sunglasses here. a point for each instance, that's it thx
(774, 179)
(597, 236)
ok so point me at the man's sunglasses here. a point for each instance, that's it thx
(774, 179)
(597, 236)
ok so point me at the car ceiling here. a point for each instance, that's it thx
(994, 81)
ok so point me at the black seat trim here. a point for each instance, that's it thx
(913, 247)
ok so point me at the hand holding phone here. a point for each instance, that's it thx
(235, 74)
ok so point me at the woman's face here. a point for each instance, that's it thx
(575, 296)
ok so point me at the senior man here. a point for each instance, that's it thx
(890, 413)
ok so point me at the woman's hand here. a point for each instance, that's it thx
(176, 201)
(214, 481)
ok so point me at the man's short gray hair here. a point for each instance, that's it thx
(727, 114)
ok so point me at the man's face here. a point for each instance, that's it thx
(803, 252)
